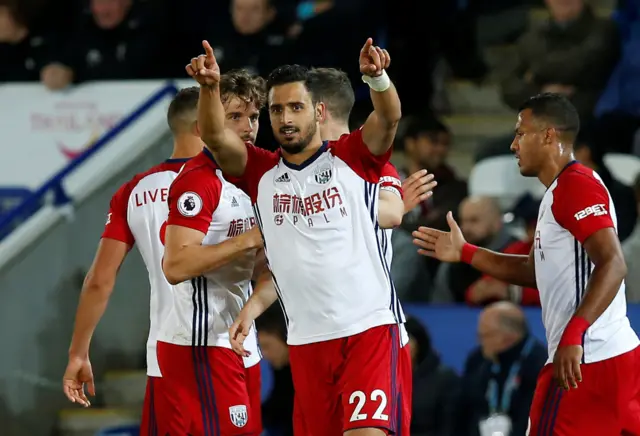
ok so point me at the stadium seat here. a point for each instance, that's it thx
(499, 177)
(624, 167)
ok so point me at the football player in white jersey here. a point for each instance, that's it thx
(316, 204)
(396, 199)
(210, 258)
(136, 213)
(591, 384)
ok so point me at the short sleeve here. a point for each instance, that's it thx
(390, 180)
(352, 149)
(259, 161)
(193, 198)
(117, 225)
(581, 204)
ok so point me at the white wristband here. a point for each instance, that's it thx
(379, 83)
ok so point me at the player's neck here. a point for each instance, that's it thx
(333, 132)
(186, 146)
(304, 155)
(554, 168)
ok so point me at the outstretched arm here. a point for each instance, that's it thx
(227, 147)
(380, 128)
(452, 247)
(511, 268)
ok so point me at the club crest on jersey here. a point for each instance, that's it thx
(189, 204)
(239, 416)
(322, 175)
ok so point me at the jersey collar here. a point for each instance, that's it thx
(310, 160)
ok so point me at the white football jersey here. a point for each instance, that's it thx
(576, 205)
(205, 307)
(322, 241)
(136, 215)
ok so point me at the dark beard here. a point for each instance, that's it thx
(300, 146)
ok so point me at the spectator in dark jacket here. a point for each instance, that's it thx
(114, 40)
(277, 410)
(500, 376)
(435, 386)
(572, 54)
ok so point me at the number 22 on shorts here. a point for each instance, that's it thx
(359, 398)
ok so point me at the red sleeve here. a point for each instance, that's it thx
(193, 197)
(352, 149)
(581, 205)
(259, 161)
(390, 180)
(117, 226)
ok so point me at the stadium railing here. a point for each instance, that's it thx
(54, 186)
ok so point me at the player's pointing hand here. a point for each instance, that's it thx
(205, 69)
(444, 246)
(373, 59)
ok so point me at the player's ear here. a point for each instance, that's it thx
(321, 112)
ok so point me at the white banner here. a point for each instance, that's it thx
(42, 131)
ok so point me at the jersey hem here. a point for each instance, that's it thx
(373, 321)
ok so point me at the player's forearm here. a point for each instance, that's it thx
(191, 261)
(602, 288)
(228, 149)
(390, 210)
(387, 106)
(510, 268)
(380, 129)
(93, 303)
(263, 296)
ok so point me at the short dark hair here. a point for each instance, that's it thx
(334, 90)
(286, 74)
(183, 109)
(424, 125)
(244, 85)
(557, 110)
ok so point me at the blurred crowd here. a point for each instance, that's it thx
(590, 56)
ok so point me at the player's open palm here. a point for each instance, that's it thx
(417, 188)
(373, 59)
(76, 376)
(205, 69)
(444, 246)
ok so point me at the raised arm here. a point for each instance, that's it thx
(452, 247)
(380, 128)
(228, 149)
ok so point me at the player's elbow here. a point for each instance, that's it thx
(98, 283)
(620, 267)
(171, 270)
(394, 219)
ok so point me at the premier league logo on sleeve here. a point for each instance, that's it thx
(239, 416)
